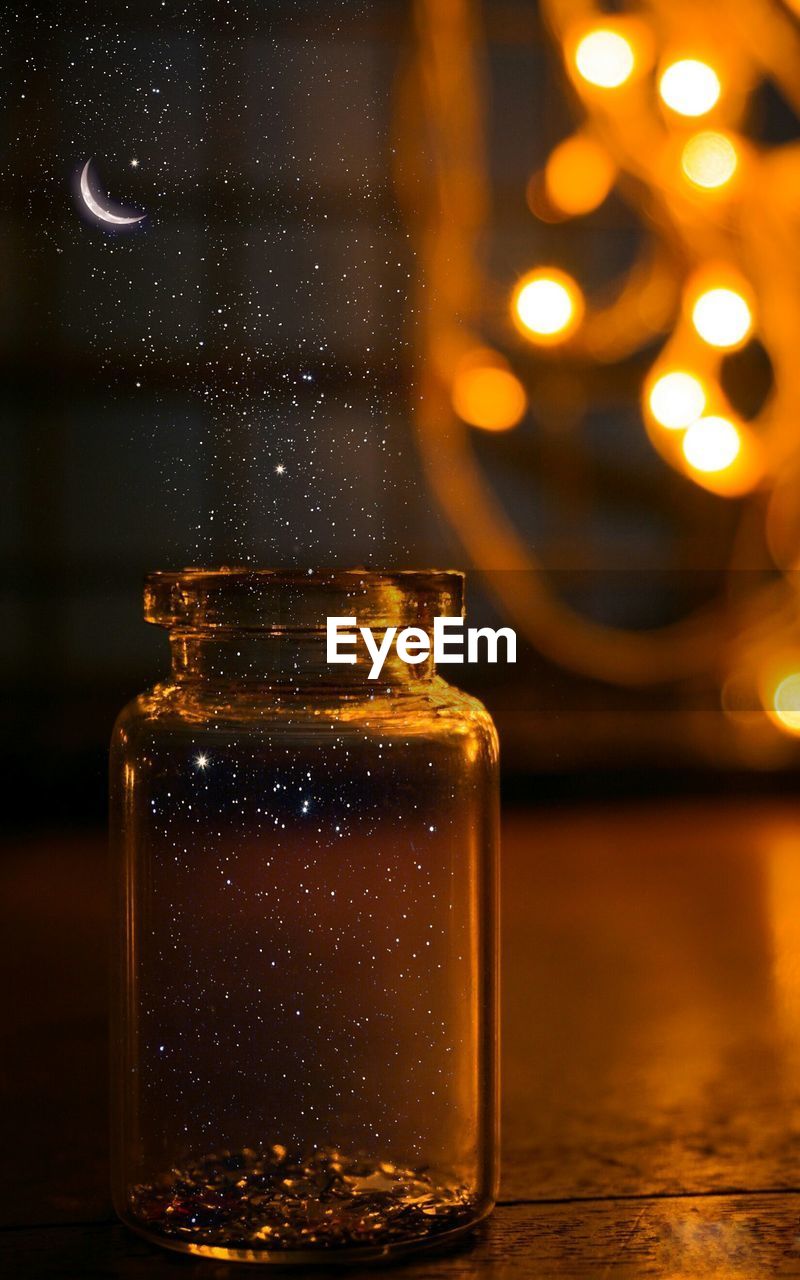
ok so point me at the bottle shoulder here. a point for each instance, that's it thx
(430, 708)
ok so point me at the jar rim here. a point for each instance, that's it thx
(239, 597)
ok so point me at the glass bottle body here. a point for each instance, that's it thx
(305, 1032)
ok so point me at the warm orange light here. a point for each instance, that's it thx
(579, 175)
(486, 394)
(722, 317)
(605, 58)
(709, 159)
(547, 306)
(690, 87)
(711, 444)
(677, 400)
(740, 701)
(779, 686)
(786, 703)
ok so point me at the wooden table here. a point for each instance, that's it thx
(651, 1054)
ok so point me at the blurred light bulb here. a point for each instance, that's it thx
(786, 702)
(690, 87)
(488, 396)
(544, 306)
(709, 159)
(722, 318)
(677, 400)
(579, 175)
(547, 305)
(711, 444)
(605, 58)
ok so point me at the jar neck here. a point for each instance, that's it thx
(284, 658)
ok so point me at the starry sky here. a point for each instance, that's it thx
(253, 331)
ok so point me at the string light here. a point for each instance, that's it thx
(486, 394)
(679, 179)
(722, 318)
(547, 305)
(677, 400)
(579, 175)
(786, 703)
(605, 58)
(709, 159)
(690, 87)
(711, 444)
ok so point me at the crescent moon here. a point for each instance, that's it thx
(94, 206)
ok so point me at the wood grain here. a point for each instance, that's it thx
(651, 1001)
(724, 1237)
(651, 1052)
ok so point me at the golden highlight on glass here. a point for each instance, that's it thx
(305, 1013)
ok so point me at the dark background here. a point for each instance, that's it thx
(151, 381)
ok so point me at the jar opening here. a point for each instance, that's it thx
(287, 600)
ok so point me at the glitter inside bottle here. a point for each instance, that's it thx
(305, 1036)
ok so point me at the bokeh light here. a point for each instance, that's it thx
(605, 58)
(690, 87)
(487, 394)
(547, 305)
(711, 444)
(709, 159)
(722, 318)
(786, 703)
(677, 400)
(579, 175)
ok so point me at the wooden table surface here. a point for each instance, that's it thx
(651, 1054)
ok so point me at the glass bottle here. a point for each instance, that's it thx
(305, 1033)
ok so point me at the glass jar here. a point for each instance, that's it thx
(305, 1032)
